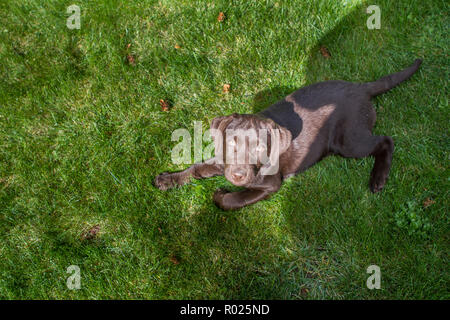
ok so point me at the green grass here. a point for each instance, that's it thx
(82, 137)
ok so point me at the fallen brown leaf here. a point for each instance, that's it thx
(91, 233)
(428, 202)
(177, 46)
(174, 259)
(226, 88)
(221, 17)
(164, 105)
(131, 60)
(128, 46)
(324, 51)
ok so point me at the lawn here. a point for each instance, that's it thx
(83, 134)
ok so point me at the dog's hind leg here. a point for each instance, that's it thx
(383, 158)
(360, 145)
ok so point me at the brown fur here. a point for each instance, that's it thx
(332, 117)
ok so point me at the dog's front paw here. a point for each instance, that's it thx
(165, 181)
(219, 199)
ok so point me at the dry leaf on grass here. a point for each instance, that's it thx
(324, 51)
(221, 17)
(428, 202)
(164, 105)
(131, 60)
(174, 259)
(226, 88)
(91, 233)
(177, 46)
(304, 292)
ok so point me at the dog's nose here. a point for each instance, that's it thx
(238, 176)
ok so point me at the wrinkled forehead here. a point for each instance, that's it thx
(250, 135)
(248, 126)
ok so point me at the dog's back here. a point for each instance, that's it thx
(323, 116)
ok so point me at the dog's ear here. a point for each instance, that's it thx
(282, 135)
(218, 126)
(280, 141)
(284, 139)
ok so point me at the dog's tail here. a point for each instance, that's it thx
(388, 82)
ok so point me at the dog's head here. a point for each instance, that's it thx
(248, 146)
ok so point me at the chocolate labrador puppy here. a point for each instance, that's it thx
(326, 118)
